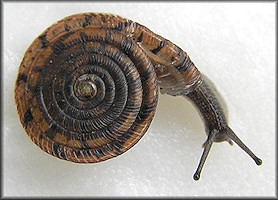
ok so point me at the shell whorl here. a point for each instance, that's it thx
(85, 94)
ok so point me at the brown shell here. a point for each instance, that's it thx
(113, 57)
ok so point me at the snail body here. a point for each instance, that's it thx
(87, 88)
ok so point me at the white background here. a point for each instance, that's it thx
(232, 43)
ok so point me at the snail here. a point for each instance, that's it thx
(87, 88)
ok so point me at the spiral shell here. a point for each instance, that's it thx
(85, 92)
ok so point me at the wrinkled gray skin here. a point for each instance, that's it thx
(214, 112)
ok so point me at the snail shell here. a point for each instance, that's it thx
(87, 88)
(83, 93)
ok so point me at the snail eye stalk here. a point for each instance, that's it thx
(236, 139)
(207, 146)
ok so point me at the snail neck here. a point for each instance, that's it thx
(211, 107)
(208, 102)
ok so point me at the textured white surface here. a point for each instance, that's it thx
(232, 43)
